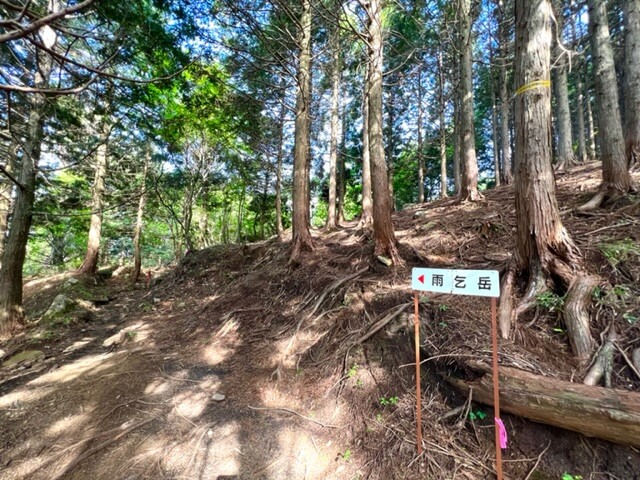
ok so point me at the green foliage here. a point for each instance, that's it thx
(353, 371)
(346, 456)
(619, 251)
(569, 476)
(390, 401)
(550, 301)
(477, 415)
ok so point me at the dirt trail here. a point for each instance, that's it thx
(153, 408)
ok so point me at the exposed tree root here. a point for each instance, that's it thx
(286, 410)
(380, 324)
(603, 363)
(576, 316)
(537, 285)
(505, 312)
(594, 203)
(117, 433)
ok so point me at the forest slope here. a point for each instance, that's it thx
(238, 365)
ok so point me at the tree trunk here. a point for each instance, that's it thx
(632, 79)
(443, 129)
(590, 123)
(90, 263)
(390, 145)
(505, 137)
(367, 201)
(457, 144)
(6, 197)
(421, 163)
(542, 241)
(341, 172)
(385, 241)
(469, 187)
(302, 148)
(279, 226)
(15, 248)
(616, 180)
(605, 413)
(563, 112)
(494, 133)
(137, 232)
(582, 142)
(333, 148)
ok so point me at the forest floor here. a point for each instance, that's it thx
(237, 365)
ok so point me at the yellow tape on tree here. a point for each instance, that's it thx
(532, 85)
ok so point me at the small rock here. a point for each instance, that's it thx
(218, 397)
(61, 305)
(156, 300)
(2, 354)
(387, 261)
(71, 282)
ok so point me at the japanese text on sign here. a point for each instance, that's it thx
(480, 283)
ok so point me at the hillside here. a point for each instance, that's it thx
(236, 364)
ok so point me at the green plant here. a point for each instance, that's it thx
(359, 383)
(443, 324)
(632, 319)
(379, 417)
(346, 455)
(443, 308)
(353, 371)
(477, 415)
(551, 301)
(569, 476)
(617, 252)
(385, 402)
(131, 335)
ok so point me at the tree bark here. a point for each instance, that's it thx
(494, 133)
(279, 226)
(302, 240)
(90, 263)
(367, 200)
(591, 134)
(542, 241)
(582, 142)
(332, 217)
(505, 137)
(137, 232)
(469, 187)
(6, 197)
(563, 111)
(385, 241)
(616, 180)
(632, 79)
(443, 128)
(390, 145)
(605, 413)
(421, 163)
(11, 313)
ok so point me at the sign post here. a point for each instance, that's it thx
(478, 283)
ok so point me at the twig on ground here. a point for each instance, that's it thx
(286, 410)
(533, 469)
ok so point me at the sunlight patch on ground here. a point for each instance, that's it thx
(92, 363)
(304, 457)
(67, 424)
(191, 404)
(211, 453)
(227, 339)
(156, 387)
(14, 400)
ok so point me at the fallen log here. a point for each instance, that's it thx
(605, 413)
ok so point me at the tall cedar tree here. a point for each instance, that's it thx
(616, 180)
(302, 147)
(632, 79)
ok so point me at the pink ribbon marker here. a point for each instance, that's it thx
(503, 432)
